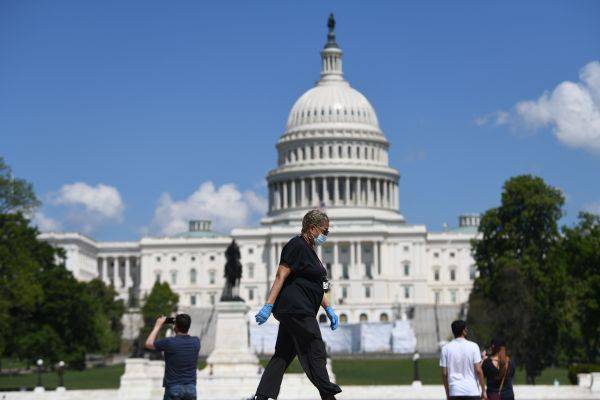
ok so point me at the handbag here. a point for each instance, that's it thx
(498, 396)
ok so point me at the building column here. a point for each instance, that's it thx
(128, 272)
(293, 193)
(285, 194)
(359, 266)
(369, 192)
(358, 199)
(314, 195)
(347, 191)
(336, 191)
(103, 269)
(352, 257)
(386, 198)
(325, 191)
(376, 266)
(303, 198)
(336, 259)
(116, 272)
(270, 188)
(377, 193)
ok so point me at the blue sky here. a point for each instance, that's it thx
(121, 112)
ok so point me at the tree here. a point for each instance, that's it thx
(16, 195)
(21, 257)
(44, 311)
(112, 308)
(161, 301)
(580, 249)
(521, 289)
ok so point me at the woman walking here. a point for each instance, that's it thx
(499, 371)
(295, 297)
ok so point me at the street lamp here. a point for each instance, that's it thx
(39, 387)
(416, 380)
(61, 373)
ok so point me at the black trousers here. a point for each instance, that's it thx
(298, 335)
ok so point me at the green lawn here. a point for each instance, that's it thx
(93, 378)
(347, 371)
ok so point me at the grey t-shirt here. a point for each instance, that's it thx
(181, 359)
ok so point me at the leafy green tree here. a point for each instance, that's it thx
(112, 308)
(16, 195)
(580, 250)
(44, 311)
(21, 258)
(521, 289)
(76, 317)
(161, 301)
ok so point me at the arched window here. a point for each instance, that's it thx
(251, 271)
(322, 318)
(436, 274)
(363, 318)
(453, 274)
(343, 319)
(193, 275)
(349, 151)
(384, 317)
(211, 277)
(173, 277)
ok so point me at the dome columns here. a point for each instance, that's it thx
(333, 191)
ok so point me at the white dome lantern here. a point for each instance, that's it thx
(332, 154)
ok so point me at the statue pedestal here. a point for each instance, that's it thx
(232, 354)
(232, 370)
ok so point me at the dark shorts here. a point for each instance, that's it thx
(180, 392)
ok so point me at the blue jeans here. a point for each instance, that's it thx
(180, 392)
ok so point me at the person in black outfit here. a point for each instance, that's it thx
(295, 297)
(499, 371)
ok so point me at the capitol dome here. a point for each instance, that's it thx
(330, 102)
(333, 154)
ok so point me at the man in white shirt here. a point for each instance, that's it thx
(461, 367)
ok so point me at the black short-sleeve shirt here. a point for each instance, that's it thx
(302, 291)
(493, 382)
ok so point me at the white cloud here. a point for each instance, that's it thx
(571, 110)
(89, 206)
(100, 199)
(45, 223)
(225, 206)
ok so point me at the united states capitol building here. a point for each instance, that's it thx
(332, 155)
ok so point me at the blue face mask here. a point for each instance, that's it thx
(319, 240)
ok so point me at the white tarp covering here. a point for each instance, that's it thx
(403, 338)
(374, 337)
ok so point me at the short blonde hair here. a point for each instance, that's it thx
(314, 218)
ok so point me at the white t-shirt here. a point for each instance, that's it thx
(459, 357)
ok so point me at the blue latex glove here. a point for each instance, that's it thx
(335, 321)
(263, 314)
